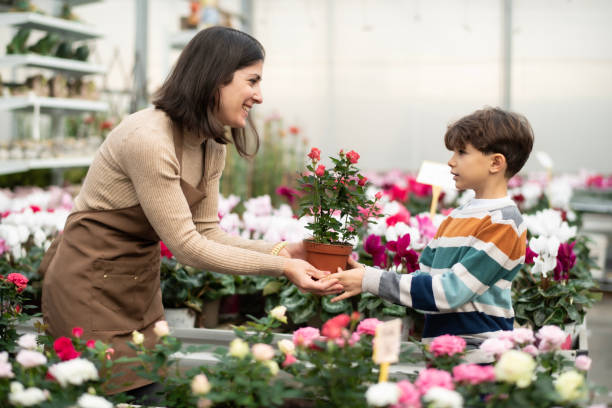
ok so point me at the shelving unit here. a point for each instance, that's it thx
(54, 106)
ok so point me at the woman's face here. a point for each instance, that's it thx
(239, 96)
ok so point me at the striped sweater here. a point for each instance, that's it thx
(466, 271)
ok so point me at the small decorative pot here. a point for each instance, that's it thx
(327, 257)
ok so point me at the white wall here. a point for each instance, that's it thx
(385, 77)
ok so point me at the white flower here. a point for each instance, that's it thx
(570, 385)
(286, 346)
(226, 205)
(258, 206)
(161, 328)
(559, 193)
(439, 397)
(382, 394)
(137, 337)
(27, 397)
(238, 348)
(75, 371)
(200, 385)
(583, 363)
(531, 191)
(515, 367)
(279, 313)
(6, 369)
(27, 341)
(93, 401)
(30, 358)
(231, 224)
(549, 223)
(272, 366)
(547, 249)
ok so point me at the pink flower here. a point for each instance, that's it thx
(496, 346)
(287, 192)
(6, 369)
(30, 358)
(289, 359)
(473, 373)
(583, 363)
(397, 193)
(305, 336)
(262, 352)
(362, 181)
(320, 171)
(530, 255)
(165, 252)
(65, 349)
(315, 154)
(353, 156)
(77, 332)
(355, 337)
(18, 280)
(447, 345)
(403, 253)
(90, 344)
(378, 251)
(531, 349)
(378, 195)
(3, 246)
(368, 326)
(426, 227)
(433, 377)
(551, 338)
(403, 215)
(420, 190)
(566, 259)
(522, 335)
(409, 395)
(332, 328)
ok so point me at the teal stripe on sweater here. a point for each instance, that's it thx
(496, 297)
(455, 291)
(478, 262)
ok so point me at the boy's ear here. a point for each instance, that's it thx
(498, 163)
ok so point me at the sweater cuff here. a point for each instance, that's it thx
(274, 265)
(371, 280)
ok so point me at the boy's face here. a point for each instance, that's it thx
(470, 168)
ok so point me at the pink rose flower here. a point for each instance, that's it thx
(522, 335)
(433, 377)
(305, 336)
(447, 345)
(77, 332)
(473, 373)
(332, 329)
(320, 171)
(583, 363)
(354, 338)
(315, 154)
(6, 369)
(65, 349)
(368, 326)
(289, 359)
(18, 280)
(30, 358)
(531, 349)
(409, 395)
(496, 346)
(262, 352)
(551, 338)
(353, 156)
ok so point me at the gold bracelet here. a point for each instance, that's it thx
(278, 247)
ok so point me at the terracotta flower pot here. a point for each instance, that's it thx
(327, 257)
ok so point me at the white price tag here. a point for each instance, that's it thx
(387, 342)
(436, 174)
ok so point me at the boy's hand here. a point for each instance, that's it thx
(350, 280)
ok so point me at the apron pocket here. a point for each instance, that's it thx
(122, 293)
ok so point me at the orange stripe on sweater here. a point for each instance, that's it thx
(502, 235)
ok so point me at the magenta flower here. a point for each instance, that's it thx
(368, 326)
(566, 259)
(403, 253)
(373, 247)
(397, 193)
(409, 395)
(289, 193)
(426, 227)
(530, 256)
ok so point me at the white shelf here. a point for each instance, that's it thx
(51, 104)
(66, 28)
(18, 166)
(54, 63)
(74, 3)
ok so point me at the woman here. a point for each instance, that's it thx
(156, 176)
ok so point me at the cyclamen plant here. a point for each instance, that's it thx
(336, 198)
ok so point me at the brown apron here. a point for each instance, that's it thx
(102, 274)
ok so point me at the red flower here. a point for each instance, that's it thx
(18, 309)
(353, 156)
(332, 329)
(107, 124)
(77, 332)
(567, 344)
(91, 344)
(362, 181)
(320, 170)
(35, 208)
(165, 252)
(315, 154)
(287, 192)
(397, 193)
(294, 130)
(355, 316)
(289, 359)
(65, 349)
(19, 280)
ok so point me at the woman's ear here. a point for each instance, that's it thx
(498, 163)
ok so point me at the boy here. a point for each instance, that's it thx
(463, 284)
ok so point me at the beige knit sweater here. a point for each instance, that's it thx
(137, 164)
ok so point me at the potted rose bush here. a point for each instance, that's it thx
(336, 200)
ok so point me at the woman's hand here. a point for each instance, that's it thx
(351, 279)
(309, 279)
(295, 250)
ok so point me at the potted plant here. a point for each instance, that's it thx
(336, 200)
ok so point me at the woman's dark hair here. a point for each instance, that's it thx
(493, 130)
(190, 96)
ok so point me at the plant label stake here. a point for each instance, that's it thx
(438, 176)
(387, 346)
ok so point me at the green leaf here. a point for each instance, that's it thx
(335, 308)
(272, 287)
(295, 301)
(305, 313)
